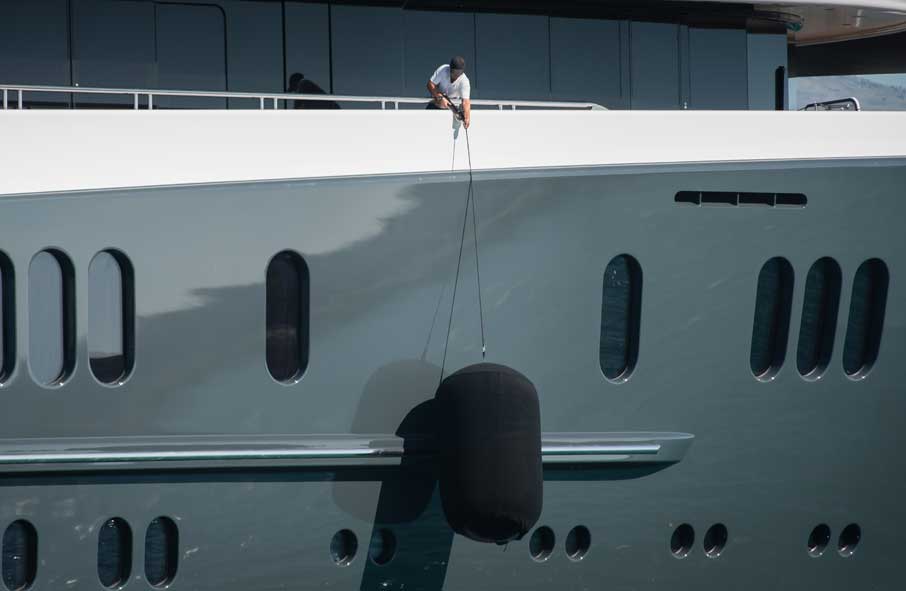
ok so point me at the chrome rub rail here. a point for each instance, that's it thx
(312, 451)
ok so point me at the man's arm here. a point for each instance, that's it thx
(466, 112)
(435, 94)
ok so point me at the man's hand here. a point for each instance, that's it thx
(442, 102)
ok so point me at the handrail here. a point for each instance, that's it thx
(271, 99)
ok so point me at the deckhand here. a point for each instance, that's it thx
(449, 83)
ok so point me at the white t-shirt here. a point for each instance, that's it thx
(461, 89)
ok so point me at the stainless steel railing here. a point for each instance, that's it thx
(266, 100)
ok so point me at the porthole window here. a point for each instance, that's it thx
(111, 316)
(866, 318)
(114, 553)
(161, 552)
(287, 317)
(7, 318)
(20, 555)
(770, 328)
(51, 317)
(620, 317)
(819, 318)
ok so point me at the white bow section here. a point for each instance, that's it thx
(50, 151)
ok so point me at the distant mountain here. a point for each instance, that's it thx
(873, 96)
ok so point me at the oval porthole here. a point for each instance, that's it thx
(818, 540)
(161, 551)
(20, 555)
(111, 316)
(849, 540)
(866, 318)
(578, 542)
(114, 553)
(287, 317)
(682, 540)
(541, 544)
(343, 547)
(819, 318)
(770, 328)
(383, 546)
(51, 317)
(715, 540)
(620, 318)
(7, 318)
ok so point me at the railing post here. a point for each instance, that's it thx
(275, 102)
(5, 92)
(383, 105)
(150, 101)
(396, 105)
(260, 102)
(135, 101)
(20, 98)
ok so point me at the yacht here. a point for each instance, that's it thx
(267, 322)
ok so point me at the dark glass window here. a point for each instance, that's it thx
(620, 317)
(7, 318)
(51, 317)
(114, 553)
(20, 555)
(770, 328)
(866, 318)
(819, 317)
(161, 551)
(287, 316)
(111, 316)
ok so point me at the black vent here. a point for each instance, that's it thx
(772, 317)
(866, 318)
(819, 318)
(20, 555)
(114, 553)
(161, 551)
(732, 198)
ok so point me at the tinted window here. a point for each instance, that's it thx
(620, 317)
(51, 317)
(866, 318)
(770, 328)
(287, 316)
(111, 316)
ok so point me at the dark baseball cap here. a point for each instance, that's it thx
(457, 64)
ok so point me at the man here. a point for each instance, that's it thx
(451, 80)
(299, 84)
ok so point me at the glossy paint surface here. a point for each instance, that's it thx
(771, 459)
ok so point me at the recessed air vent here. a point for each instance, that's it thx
(866, 318)
(20, 555)
(161, 551)
(819, 318)
(745, 199)
(114, 553)
(771, 325)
